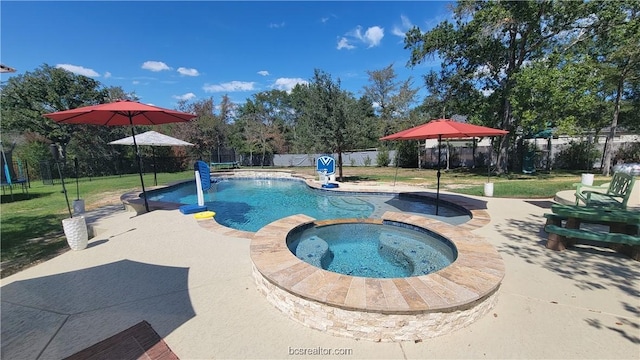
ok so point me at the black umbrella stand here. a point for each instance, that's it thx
(75, 165)
(56, 158)
(139, 160)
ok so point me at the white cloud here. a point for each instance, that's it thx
(325, 19)
(187, 96)
(371, 37)
(402, 29)
(188, 72)
(263, 73)
(78, 70)
(230, 86)
(155, 66)
(343, 43)
(107, 75)
(276, 26)
(135, 82)
(287, 84)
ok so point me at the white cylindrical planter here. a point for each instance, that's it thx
(488, 189)
(78, 206)
(75, 229)
(587, 179)
(332, 177)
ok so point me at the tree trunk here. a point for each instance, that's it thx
(608, 151)
(503, 154)
(340, 163)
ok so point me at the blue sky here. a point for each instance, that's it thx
(164, 51)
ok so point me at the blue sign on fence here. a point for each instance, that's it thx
(326, 164)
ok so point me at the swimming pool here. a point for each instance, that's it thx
(249, 204)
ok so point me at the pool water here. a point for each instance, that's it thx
(250, 204)
(371, 250)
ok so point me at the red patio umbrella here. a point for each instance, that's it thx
(444, 128)
(121, 113)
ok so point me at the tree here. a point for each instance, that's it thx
(263, 122)
(613, 39)
(328, 116)
(211, 130)
(563, 92)
(392, 98)
(488, 43)
(90, 143)
(26, 97)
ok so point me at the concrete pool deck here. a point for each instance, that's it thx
(195, 287)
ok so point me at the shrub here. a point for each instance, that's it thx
(628, 153)
(407, 155)
(579, 155)
(383, 158)
(367, 161)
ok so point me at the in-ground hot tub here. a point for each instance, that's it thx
(378, 309)
(376, 250)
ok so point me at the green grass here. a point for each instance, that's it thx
(31, 225)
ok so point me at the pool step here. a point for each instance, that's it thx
(352, 204)
(405, 251)
(314, 251)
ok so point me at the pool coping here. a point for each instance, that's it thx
(475, 275)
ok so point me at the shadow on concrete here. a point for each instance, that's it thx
(57, 315)
(591, 266)
(545, 204)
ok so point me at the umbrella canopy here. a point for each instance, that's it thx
(152, 138)
(444, 128)
(121, 113)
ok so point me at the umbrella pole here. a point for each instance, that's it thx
(155, 174)
(490, 160)
(139, 159)
(395, 159)
(438, 175)
(75, 165)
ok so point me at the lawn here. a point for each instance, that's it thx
(31, 225)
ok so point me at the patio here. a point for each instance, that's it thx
(581, 303)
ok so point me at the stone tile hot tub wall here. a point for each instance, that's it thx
(398, 309)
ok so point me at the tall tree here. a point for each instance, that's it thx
(210, 130)
(563, 92)
(613, 39)
(392, 98)
(26, 97)
(488, 42)
(263, 122)
(327, 115)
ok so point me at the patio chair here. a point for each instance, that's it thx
(615, 195)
